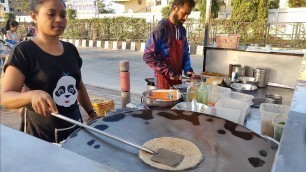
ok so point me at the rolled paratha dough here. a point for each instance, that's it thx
(192, 153)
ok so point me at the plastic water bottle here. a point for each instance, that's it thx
(202, 94)
(192, 90)
(214, 96)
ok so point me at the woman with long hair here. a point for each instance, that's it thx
(11, 28)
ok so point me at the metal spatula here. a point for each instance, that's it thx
(161, 155)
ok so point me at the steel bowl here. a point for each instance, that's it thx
(228, 81)
(245, 88)
(249, 80)
(157, 103)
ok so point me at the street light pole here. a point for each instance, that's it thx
(96, 10)
(206, 32)
(207, 21)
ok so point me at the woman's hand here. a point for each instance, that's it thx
(93, 115)
(42, 103)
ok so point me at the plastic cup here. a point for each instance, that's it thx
(279, 123)
(268, 112)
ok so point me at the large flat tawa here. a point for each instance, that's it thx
(226, 146)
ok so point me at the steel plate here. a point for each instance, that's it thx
(226, 146)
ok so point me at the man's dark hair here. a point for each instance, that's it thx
(181, 3)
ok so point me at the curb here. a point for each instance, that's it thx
(121, 45)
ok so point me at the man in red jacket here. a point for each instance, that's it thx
(167, 50)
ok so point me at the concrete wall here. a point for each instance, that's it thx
(277, 15)
(287, 15)
(150, 17)
(121, 45)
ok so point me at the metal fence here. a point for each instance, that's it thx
(289, 35)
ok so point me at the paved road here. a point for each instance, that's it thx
(100, 73)
(101, 68)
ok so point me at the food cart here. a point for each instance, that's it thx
(225, 145)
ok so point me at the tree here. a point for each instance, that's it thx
(71, 14)
(244, 10)
(296, 3)
(262, 13)
(23, 5)
(274, 4)
(215, 7)
(103, 8)
(9, 16)
(166, 11)
(249, 10)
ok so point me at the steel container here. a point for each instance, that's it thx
(249, 80)
(239, 69)
(228, 81)
(261, 75)
(243, 88)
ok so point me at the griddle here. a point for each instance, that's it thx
(226, 146)
(160, 155)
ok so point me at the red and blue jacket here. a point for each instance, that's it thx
(157, 49)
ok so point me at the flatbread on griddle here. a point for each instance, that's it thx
(192, 153)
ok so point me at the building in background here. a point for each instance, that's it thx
(13, 8)
(83, 7)
(4, 7)
(1, 11)
(7, 6)
(141, 6)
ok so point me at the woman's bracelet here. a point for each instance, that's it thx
(91, 111)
